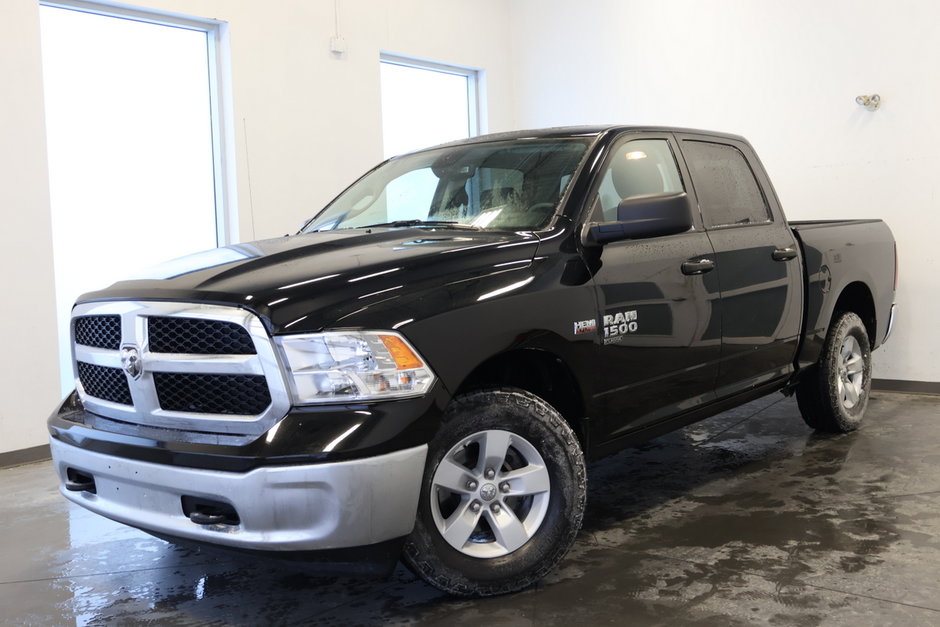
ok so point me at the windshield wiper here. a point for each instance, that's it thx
(450, 224)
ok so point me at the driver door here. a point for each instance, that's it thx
(658, 310)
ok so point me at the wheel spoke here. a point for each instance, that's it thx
(493, 449)
(508, 474)
(846, 351)
(851, 392)
(854, 365)
(460, 525)
(531, 479)
(509, 531)
(452, 476)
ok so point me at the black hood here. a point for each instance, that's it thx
(307, 282)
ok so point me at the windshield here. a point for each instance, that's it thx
(500, 185)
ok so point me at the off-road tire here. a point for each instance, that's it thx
(483, 566)
(832, 397)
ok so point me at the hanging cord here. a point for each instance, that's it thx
(336, 18)
(251, 203)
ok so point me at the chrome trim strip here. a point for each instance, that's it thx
(97, 356)
(204, 364)
(146, 409)
(890, 322)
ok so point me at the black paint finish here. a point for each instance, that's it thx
(695, 321)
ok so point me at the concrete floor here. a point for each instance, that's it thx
(746, 518)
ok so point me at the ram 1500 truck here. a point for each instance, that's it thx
(421, 371)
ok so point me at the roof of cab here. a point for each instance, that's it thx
(559, 132)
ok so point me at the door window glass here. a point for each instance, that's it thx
(726, 188)
(638, 167)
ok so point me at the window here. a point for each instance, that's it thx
(493, 185)
(726, 188)
(637, 167)
(134, 142)
(425, 104)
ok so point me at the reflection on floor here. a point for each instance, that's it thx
(746, 518)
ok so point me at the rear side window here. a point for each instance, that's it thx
(726, 188)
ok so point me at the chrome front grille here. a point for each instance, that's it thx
(108, 384)
(98, 331)
(198, 336)
(182, 366)
(212, 393)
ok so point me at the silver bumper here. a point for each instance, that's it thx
(281, 508)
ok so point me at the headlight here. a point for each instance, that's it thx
(353, 366)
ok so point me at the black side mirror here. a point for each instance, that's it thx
(640, 217)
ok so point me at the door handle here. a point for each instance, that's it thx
(698, 266)
(784, 254)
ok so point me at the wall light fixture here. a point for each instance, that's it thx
(869, 102)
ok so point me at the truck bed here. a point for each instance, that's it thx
(839, 255)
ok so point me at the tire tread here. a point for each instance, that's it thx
(431, 569)
(816, 393)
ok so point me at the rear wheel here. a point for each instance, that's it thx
(833, 397)
(502, 497)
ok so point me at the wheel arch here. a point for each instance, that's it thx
(857, 298)
(539, 372)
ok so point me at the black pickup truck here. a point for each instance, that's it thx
(422, 370)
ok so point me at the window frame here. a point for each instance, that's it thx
(476, 85)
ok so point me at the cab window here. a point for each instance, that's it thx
(728, 193)
(636, 168)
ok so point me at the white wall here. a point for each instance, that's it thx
(785, 75)
(28, 370)
(306, 121)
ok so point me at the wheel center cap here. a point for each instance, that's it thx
(488, 492)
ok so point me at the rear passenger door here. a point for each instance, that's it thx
(758, 265)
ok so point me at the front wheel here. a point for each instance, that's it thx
(833, 397)
(502, 497)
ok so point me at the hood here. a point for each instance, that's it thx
(306, 282)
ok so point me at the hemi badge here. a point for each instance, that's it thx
(585, 326)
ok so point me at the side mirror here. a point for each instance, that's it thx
(640, 217)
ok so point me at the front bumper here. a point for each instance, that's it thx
(279, 508)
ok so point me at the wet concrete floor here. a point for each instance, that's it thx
(746, 518)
